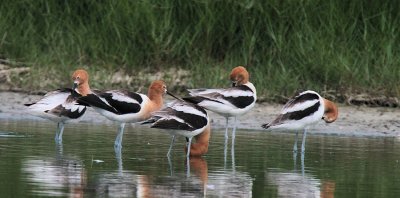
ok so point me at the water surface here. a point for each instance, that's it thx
(262, 164)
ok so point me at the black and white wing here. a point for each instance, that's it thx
(223, 100)
(179, 115)
(60, 103)
(303, 106)
(115, 101)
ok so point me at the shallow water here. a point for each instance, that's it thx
(262, 164)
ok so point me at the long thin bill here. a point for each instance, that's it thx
(169, 93)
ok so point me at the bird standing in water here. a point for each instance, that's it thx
(60, 106)
(120, 105)
(303, 111)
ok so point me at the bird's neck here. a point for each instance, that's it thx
(84, 89)
(156, 99)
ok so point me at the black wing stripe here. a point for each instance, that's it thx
(179, 120)
(122, 107)
(198, 99)
(303, 98)
(171, 124)
(95, 101)
(298, 115)
(134, 95)
(193, 120)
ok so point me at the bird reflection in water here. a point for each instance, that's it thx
(120, 183)
(300, 184)
(220, 183)
(124, 183)
(59, 176)
(202, 183)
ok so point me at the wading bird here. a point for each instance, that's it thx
(230, 102)
(122, 106)
(303, 111)
(185, 119)
(59, 106)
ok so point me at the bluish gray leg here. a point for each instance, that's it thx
(294, 160)
(170, 146)
(188, 157)
(226, 142)
(234, 131)
(118, 140)
(57, 131)
(295, 142)
(226, 129)
(302, 164)
(233, 145)
(303, 143)
(233, 155)
(60, 134)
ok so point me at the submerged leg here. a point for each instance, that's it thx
(171, 168)
(295, 142)
(170, 146)
(118, 157)
(303, 143)
(302, 164)
(118, 140)
(59, 150)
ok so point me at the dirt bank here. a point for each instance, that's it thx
(353, 120)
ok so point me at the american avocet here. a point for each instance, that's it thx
(125, 106)
(186, 119)
(301, 112)
(59, 106)
(230, 102)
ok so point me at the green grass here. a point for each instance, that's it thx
(340, 47)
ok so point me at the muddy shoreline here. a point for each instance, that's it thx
(352, 121)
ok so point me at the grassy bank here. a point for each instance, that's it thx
(335, 47)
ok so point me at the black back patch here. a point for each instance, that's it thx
(241, 101)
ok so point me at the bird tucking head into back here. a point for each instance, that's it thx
(239, 76)
(331, 111)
